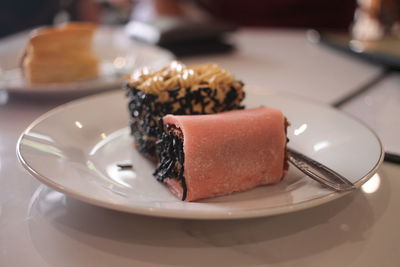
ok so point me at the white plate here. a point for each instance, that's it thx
(119, 55)
(75, 148)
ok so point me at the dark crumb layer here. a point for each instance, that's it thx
(171, 156)
(286, 160)
(147, 110)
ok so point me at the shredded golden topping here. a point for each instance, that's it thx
(177, 75)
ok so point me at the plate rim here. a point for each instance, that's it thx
(169, 213)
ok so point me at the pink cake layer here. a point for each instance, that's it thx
(230, 151)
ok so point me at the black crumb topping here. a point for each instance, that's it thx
(146, 111)
(171, 157)
(123, 167)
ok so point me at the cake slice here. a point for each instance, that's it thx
(204, 156)
(180, 90)
(61, 54)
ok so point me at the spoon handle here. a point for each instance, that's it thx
(319, 172)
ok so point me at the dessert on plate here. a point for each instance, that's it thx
(60, 54)
(190, 121)
(203, 156)
(180, 90)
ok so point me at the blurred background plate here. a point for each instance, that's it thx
(118, 53)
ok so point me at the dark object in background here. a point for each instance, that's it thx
(321, 14)
(19, 15)
(198, 47)
(183, 37)
(385, 52)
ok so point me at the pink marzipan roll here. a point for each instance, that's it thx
(229, 152)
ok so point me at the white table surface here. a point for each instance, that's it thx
(379, 108)
(285, 61)
(41, 227)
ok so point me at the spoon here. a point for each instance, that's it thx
(319, 172)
